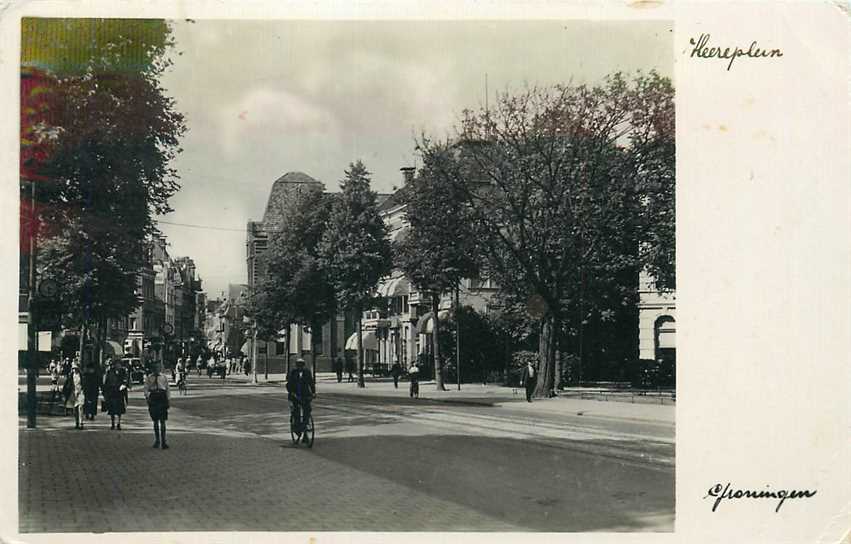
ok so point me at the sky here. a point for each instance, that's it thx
(263, 98)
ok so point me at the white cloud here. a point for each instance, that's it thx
(264, 115)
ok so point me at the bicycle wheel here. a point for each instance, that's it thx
(309, 432)
(293, 426)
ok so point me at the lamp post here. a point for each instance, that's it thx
(32, 324)
(457, 336)
(254, 354)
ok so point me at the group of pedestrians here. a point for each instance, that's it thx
(528, 379)
(349, 367)
(221, 366)
(81, 390)
(395, 372)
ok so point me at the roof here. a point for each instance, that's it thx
(381, 198)
(393, 200)
(283, 187)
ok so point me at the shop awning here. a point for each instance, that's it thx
(394, 287)
(113, 348)
(369, 341)
(426, 324)
(133, 346)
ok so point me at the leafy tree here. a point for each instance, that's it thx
(355, 250)
(565, 187)
(100, 155)
(296, 288)
(482, 347)
(440, 247)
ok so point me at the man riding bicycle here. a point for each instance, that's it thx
(300, 391)
(181, 373)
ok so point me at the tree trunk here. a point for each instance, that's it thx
(558, 370)
(82, 344)
(547, 344)
(313, 352)
(333, 339)
(289, 345)
(361, 382)
(101, 340)
(435, 345)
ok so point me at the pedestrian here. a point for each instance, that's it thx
(198, 364)
(115, 390)
(91, 388)
(529, 379)
(181, 374)
(338, 368)
(350, 368)
(74, 395)
(55, 372)
(157, 395)
(396, 371)
(414, 375)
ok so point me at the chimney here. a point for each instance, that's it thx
(407, 174)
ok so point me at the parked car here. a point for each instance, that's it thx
(136, 368)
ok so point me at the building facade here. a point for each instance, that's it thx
(396, 333)
(657, 329)
(401, 332)
(331, 337)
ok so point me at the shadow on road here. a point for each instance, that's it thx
(518, 481)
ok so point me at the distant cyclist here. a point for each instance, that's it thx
(414, 375)
(181, 374)
(300, 391)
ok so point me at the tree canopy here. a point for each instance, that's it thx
(355, 249)
(566, 188)
(98, 136)
(295, 287)
(439, 248)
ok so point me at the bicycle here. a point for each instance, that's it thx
(181, 384)
(300, 429)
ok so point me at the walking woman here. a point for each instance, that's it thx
(74, 398)
(157, 395)
(91, 388)
(114, 390)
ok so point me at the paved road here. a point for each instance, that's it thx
(378, 464)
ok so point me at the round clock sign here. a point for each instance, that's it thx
(48, 288)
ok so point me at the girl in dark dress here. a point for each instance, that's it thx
(91, 388)
(114, 391)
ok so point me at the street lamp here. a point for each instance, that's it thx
(457, 335)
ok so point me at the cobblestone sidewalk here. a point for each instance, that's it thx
(241, 482)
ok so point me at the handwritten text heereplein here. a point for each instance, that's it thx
(703, 51)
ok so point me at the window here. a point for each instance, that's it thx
(482, 282)
(280, 348)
